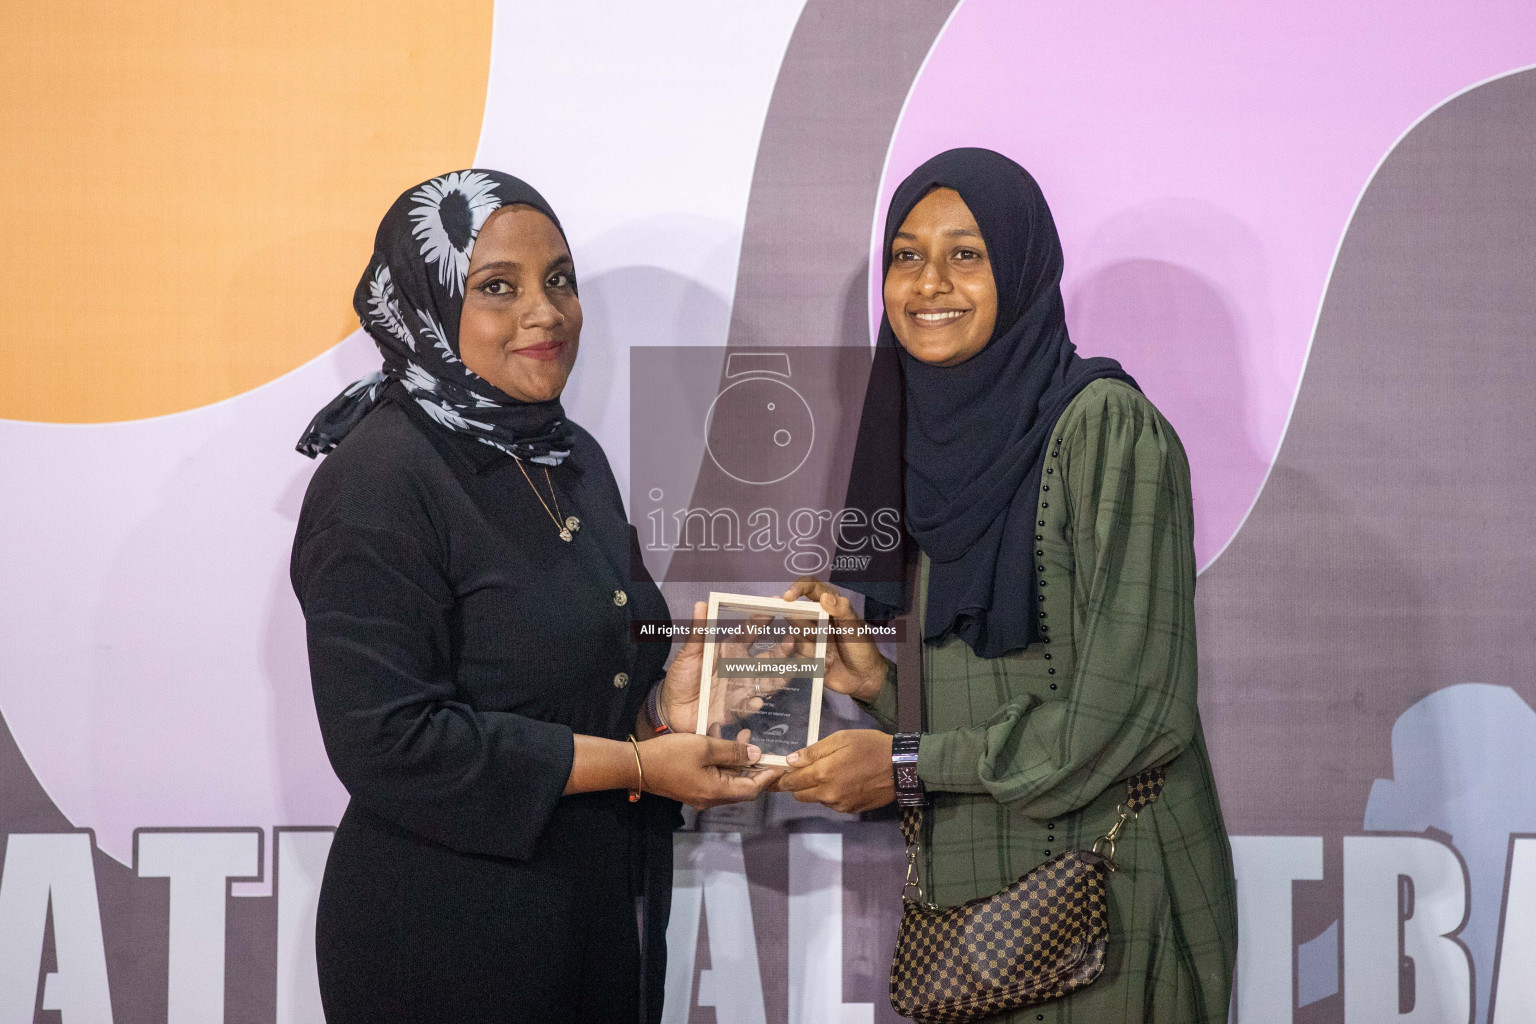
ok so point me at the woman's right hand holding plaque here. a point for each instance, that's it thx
(855, 665)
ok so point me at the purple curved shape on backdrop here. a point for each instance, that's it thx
(1202, 163)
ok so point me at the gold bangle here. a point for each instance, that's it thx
(634, 794)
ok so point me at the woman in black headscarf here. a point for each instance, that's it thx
(464, 566)
(1049, 505)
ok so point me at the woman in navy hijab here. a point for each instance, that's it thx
(1048, 511)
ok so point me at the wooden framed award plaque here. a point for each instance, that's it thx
(765, 664)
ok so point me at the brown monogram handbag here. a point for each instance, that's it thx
(1040, 938)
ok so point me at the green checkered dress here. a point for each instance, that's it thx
(1024, 755)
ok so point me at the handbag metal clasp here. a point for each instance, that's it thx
(914, 879)
(1107, 840)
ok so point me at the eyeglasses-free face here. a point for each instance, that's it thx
(940, 296)
(521, 322)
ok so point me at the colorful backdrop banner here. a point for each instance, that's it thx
(1307, 230)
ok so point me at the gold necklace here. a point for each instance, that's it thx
(566, 527)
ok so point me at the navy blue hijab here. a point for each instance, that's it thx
(961, 448)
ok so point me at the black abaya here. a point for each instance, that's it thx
(456, 643)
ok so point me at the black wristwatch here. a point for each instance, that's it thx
(909, 788)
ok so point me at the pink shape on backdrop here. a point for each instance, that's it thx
(1202, 162)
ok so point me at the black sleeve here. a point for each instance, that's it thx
(377, 607)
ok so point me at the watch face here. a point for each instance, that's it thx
(759, 430)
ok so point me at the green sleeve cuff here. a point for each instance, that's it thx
(952, 760)
(883, 707)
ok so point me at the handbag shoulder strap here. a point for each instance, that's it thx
(1141, 789)
(909, 698)
(909, 651)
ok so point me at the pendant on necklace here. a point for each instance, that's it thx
(572, 524)
(565, 534)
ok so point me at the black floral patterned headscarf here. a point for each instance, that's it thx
(409, 302)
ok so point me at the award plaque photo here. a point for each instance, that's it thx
(765, 661)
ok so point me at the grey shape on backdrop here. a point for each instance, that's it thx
(1462, 759)
(1393, 550)
(805, 244)
(801, 279)
(1410, 435)
(1317, 967)
(803, 272)
(803, 266)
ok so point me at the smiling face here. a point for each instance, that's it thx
(521, 321)
(940, 297)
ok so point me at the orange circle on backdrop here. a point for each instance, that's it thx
(189, 191)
